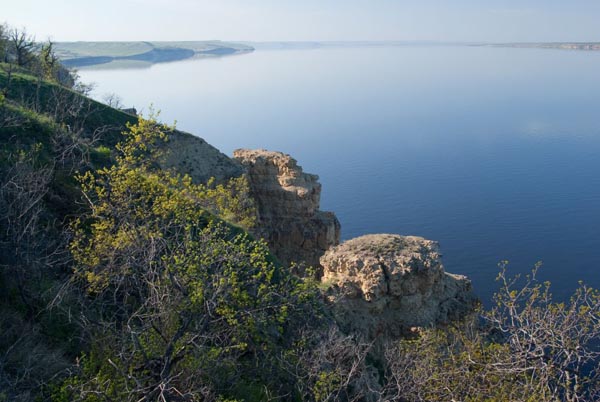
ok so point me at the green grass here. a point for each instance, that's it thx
(28, 91)
(33, 129)
(30, 103)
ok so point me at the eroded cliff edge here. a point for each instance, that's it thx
(288, 201)
(382, 285)
(379, 286)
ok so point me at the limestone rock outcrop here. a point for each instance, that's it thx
(288, 207)
(382, 285)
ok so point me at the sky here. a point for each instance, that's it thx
(307, 20)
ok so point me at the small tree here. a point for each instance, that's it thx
(3, 43)
(113, 100)
(21, 46)
(48, 61)
(557, 344)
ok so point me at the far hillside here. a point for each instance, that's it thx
(82, 54)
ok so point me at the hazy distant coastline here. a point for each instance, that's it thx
(144, 54)
(282, 45)
(84, 54)
(550, 45)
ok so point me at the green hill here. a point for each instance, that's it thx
(81, 54)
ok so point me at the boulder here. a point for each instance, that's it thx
(386, 284)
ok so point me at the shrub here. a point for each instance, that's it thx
(175, 302)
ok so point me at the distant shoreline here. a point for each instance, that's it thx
(586, 46)
(275, 45)
(87, 54)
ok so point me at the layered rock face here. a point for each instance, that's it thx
(382, 285)
(288, 207)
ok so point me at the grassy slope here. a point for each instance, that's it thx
(35, 129)
(42, 329)
(26, 89)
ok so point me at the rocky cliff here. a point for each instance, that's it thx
(385, 284)
(288, 207)
(378, 285)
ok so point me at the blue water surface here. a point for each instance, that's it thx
(493, 152)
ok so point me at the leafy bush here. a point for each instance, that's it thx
(528, 348)
(175, 302)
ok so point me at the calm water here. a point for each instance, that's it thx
(495, 153)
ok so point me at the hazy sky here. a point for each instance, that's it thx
(264, 20)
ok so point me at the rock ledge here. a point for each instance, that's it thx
(386, 284)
